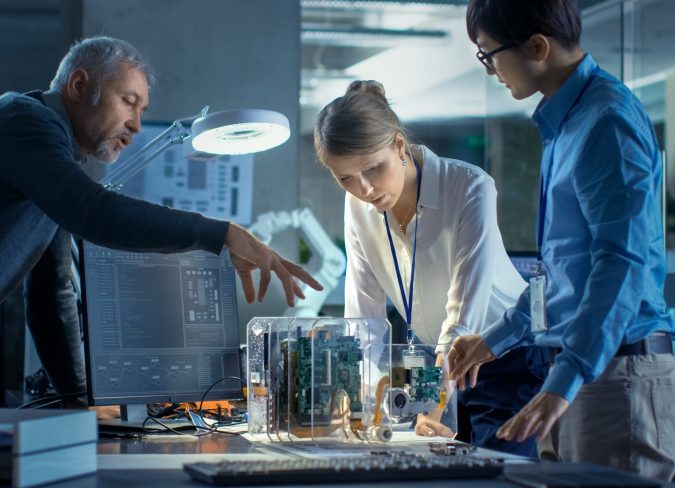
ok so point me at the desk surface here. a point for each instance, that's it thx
(175, 444)
(143, 462)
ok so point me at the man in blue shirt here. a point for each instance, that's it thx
(600, 311)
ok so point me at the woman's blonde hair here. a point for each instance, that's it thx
(359, 122)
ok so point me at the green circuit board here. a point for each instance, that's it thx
(334, 368)
(425, 383)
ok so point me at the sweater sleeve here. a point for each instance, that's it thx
(39, 164)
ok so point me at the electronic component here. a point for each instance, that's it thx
(415, 389)
(318, 378)
(328, 373)
(401, 407)
(453, 448)
(373, 467)
(425, 383)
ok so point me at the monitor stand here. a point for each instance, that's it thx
(132, 418)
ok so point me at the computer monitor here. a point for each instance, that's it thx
(158, 327)
(525, 263)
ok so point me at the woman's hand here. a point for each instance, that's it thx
(429, 425)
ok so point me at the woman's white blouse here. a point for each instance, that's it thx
(464, 279)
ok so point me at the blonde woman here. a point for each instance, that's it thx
(422, 231)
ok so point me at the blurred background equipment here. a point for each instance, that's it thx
(326, 263)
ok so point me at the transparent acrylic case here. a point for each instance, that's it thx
(318, 378)
(417, 384)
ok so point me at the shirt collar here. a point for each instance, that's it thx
(431, 169)
(551, 112)
(53, 100)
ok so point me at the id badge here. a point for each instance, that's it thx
(413, 359)
(538, 303)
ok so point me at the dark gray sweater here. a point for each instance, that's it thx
(43, 187)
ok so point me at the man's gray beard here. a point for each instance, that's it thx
(106, 153)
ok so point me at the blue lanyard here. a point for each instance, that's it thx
(545, 178)
(407, 303)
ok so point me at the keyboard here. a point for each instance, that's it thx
(387, 467)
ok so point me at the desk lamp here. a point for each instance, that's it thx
(229, 132)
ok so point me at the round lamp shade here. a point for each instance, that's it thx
(239, 131)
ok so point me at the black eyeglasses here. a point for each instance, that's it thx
(486, 58)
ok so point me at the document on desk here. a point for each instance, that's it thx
(398, 437)
(407, 442)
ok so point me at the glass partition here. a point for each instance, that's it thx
(422, 54)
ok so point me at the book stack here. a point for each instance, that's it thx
(42, 446)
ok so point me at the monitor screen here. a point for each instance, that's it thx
(525, 263)
(158, 327)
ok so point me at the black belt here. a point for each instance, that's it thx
(658, 343)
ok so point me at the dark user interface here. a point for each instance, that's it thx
(159, 323)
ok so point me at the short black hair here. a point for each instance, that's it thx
(515, 21)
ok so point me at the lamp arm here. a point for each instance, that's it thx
(122, 173)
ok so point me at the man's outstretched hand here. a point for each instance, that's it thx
(248, 253)
(535, 418)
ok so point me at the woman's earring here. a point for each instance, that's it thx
(403, 163)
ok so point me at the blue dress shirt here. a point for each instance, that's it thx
(602, 243)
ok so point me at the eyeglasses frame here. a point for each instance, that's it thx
(486, 58)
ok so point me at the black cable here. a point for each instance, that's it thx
(51, 399)
(170, 429)
(45, 405)
(163, 412)
(209, 429)
(201, 402)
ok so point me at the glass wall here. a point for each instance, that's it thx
(421, 52)
(418, 51)
(649, 68)
(512, 155)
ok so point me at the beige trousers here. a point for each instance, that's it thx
(625, 419)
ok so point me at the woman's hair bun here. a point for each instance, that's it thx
(366, 86)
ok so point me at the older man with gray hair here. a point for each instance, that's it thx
(93, 108)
